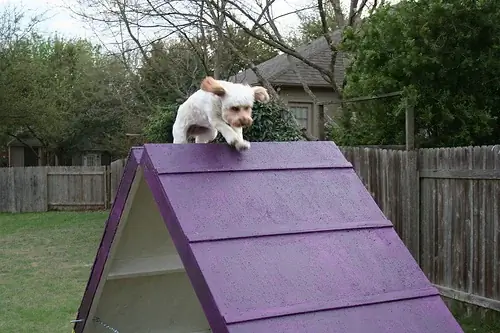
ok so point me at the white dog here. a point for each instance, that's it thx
(219, 106)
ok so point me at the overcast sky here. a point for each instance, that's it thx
(65, 23)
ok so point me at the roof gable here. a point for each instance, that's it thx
(282, 238)
(279, 71)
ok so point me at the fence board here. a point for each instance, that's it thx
(117, 168)
(5, 190)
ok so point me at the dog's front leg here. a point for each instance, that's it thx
(239, 133)
(230, 135)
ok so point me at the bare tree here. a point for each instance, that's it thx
(269, 33)
(15, 23)
(143, 22)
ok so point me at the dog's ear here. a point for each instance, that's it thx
(209, 84)
(260, 94)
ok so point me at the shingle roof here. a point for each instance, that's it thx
(279, 71)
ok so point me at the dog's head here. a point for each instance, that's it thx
(237, 100)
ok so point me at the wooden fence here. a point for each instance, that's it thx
(444, 204)
(39, 189)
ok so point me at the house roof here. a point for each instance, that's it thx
(85, 145)
(30, 141)
(279, 71)
(89, 145)
(292, 243)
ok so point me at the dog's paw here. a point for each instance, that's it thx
(241, 145)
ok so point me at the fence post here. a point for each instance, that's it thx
(12, 191)
(413, 203)
(413, 185)
(410, 127)
(47, 184)
(105, 186)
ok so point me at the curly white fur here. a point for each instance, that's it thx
(219, 106)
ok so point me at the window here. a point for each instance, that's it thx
(301, 113)
(92, 159)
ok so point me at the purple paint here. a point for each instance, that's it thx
(250, 203)
(268, 156)
(411, 316)
(285, 238)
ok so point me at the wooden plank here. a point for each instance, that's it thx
(447, 220)
(106, 188)
(387, 147)
(461, 174)
(117, 168)
(476, 269)
(469, 210)
(6, 192)
(32, 189)
(410, 127)
(149, 266)
(76, 203)
(424, 216)
(75, 173)
(14, 207)
(469, 298)
(413, 203)
(495, 225)
(482, 237)
(459, 237)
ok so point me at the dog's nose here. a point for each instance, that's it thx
(246, 122)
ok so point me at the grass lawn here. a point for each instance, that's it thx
(45, 263)
(44, 267)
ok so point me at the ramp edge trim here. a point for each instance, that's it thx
(169, 171)
(276, 231)
(400, 295)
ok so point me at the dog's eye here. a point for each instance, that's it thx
(235, 109)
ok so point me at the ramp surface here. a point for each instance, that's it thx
(285, 238)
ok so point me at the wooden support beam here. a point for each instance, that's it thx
(410, 128)
(493, 174)
(469, 298)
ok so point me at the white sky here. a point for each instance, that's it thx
(59, 21)
(65, 23)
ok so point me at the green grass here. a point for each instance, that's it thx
(479, 321)
(44, 267)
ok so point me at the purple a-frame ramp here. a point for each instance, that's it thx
(281, 238)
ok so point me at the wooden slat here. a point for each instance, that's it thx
(75, 173)
(460, 174)
(76, 203)
(469, 298)
(148, 266)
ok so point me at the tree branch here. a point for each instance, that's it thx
(273, 42)
(24, 143)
